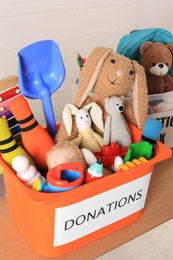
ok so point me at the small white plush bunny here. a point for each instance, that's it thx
(86, 138)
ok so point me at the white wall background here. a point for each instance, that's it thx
(77, 26)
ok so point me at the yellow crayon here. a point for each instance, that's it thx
(9, 149)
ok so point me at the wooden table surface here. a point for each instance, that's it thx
(158, 209)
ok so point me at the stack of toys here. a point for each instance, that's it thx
(94, 139)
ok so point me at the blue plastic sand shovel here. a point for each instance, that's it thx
(41, 72)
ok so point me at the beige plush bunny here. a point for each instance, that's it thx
(106, 74)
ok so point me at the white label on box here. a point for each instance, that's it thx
(84, 217)
(166, 135)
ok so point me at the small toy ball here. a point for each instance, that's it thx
(20, 163)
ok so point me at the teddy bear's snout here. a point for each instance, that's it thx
(159, 69)
(161, 65)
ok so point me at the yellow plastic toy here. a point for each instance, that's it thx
(130, 164)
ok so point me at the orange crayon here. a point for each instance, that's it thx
(36, 140)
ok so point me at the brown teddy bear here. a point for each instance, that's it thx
(156, 58)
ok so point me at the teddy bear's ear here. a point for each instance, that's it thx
(89, 73)
(170, 47)
(145, 46)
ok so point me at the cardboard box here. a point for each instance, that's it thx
(161, 107)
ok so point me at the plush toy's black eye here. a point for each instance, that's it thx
(86, 115)
(153, 64)
(81, 117)
(131, 72)
(113, 61)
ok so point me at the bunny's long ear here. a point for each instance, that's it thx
(96, 114)
(140, 97)
(89, 73)
(67, 113)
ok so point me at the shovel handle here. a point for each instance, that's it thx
(49, 114)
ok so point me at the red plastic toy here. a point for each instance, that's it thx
(109, 153)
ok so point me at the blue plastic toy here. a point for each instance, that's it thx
(151, 131)
(41, 72)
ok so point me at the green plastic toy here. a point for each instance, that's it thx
(136, 150)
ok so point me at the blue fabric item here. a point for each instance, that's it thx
(129, 44)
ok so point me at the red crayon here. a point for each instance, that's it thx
(94, 172)
(36, 140)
